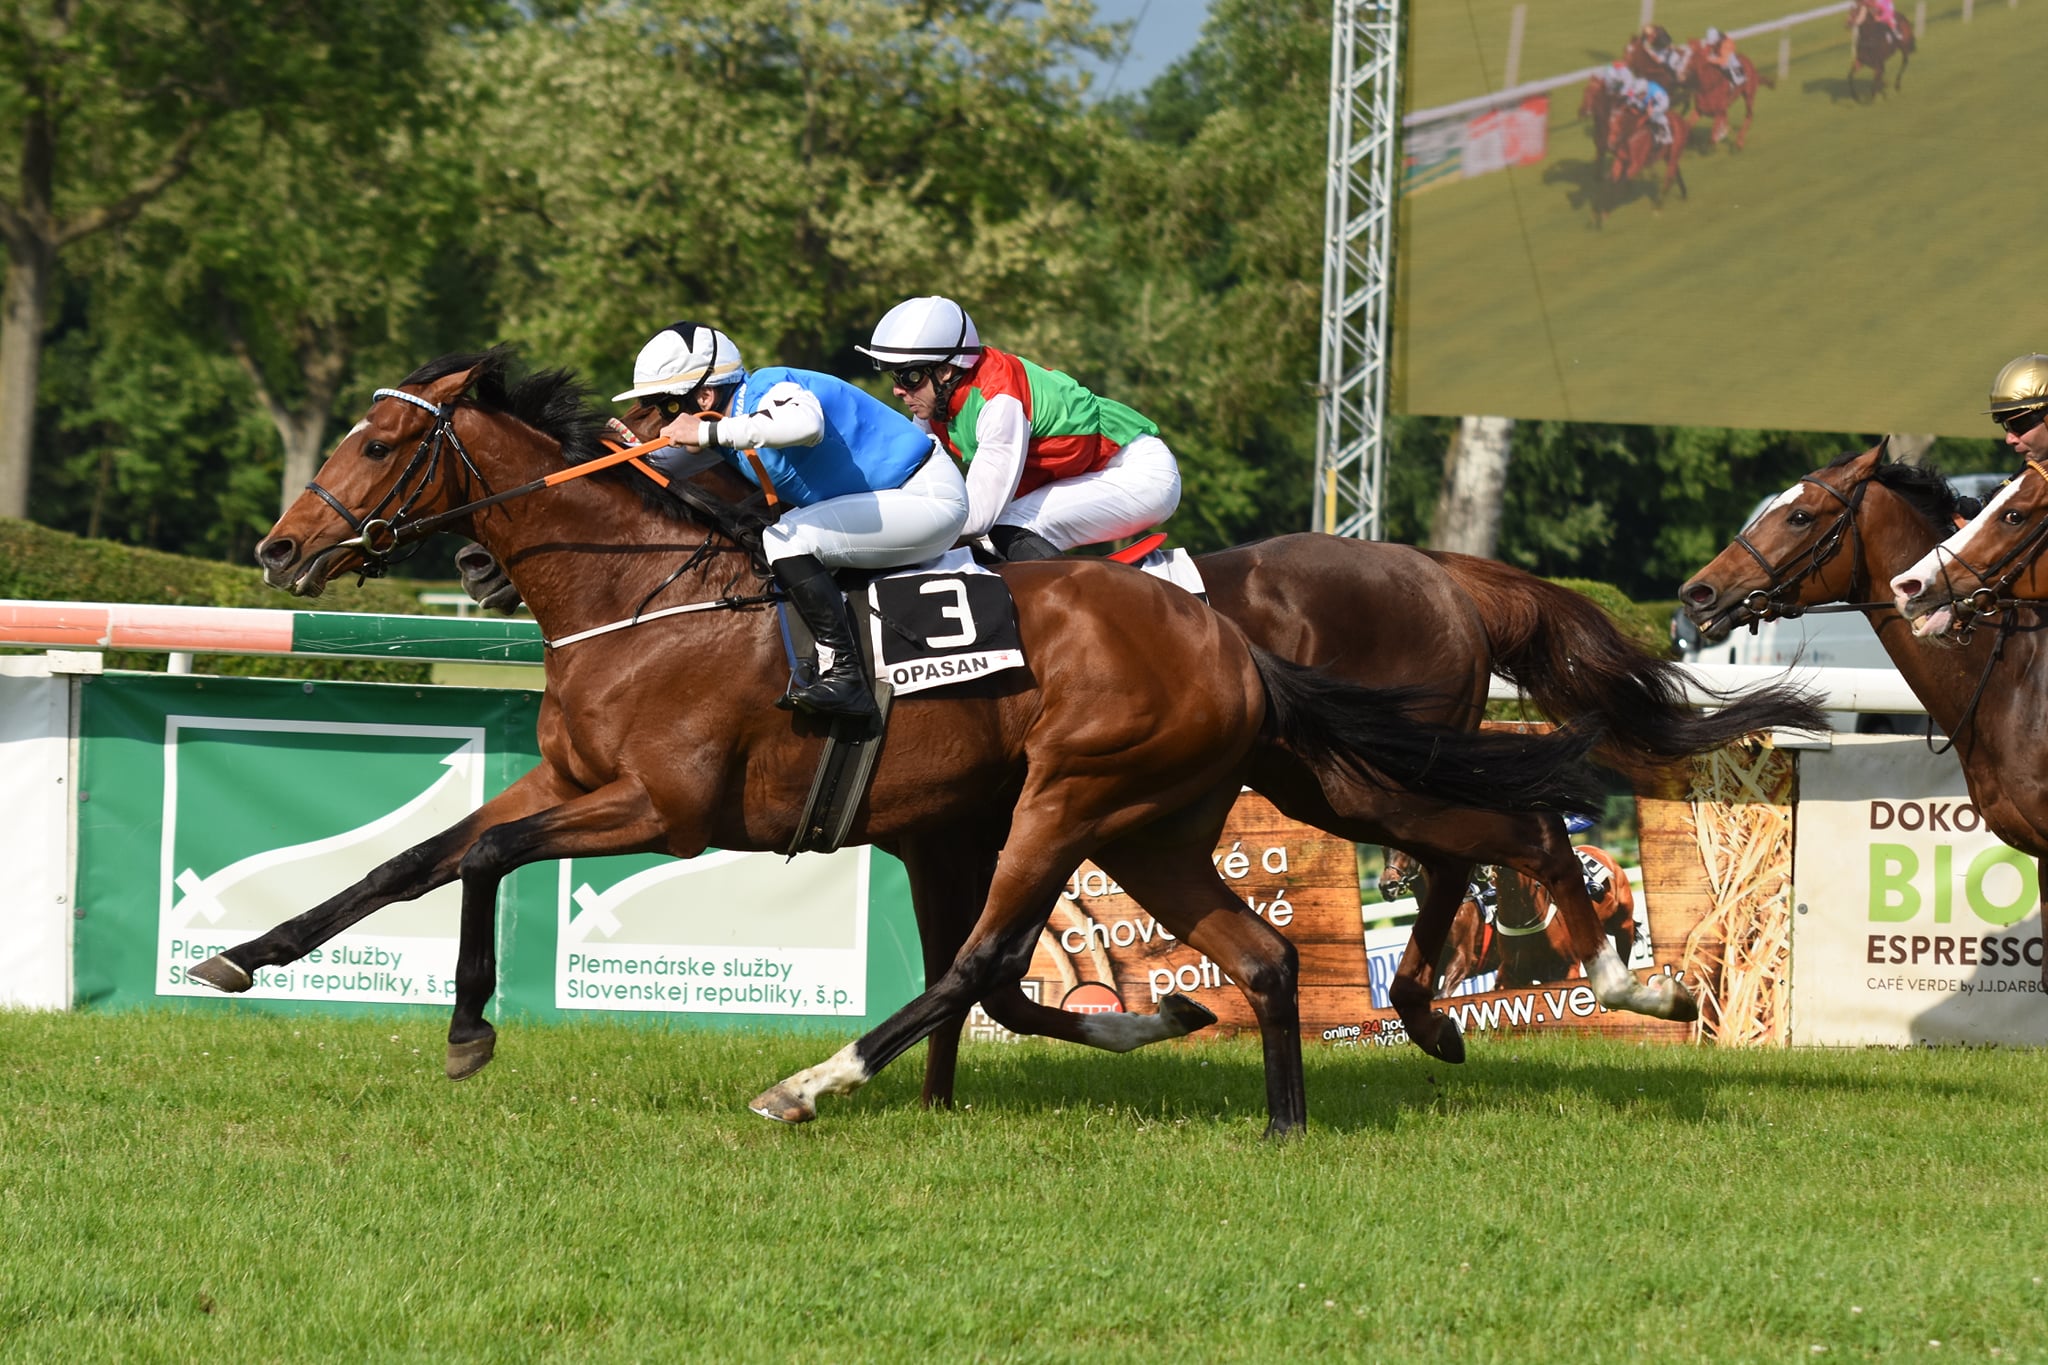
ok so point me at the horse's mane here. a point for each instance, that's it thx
(1925, 489)
(557, 404)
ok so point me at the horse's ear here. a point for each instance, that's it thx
(450, 387)
(1884, 447)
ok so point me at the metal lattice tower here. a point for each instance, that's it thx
(1358, 230)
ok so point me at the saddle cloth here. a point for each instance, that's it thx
(951, 620)
(944, 621)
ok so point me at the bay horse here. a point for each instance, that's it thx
(1872, 44)
(1840, 535)
(1522, 939)
(1126, 741)
(1715, 93)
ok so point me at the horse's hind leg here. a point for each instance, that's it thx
(617, 818)
(1203, 913)
(422, 868)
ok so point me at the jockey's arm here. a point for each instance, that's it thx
(788, 415)
(1002, 436)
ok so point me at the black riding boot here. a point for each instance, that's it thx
(841, 690)
(1014, 543)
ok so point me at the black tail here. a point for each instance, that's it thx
(1328, 722)
(1561, 649)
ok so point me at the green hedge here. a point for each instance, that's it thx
(38, 564)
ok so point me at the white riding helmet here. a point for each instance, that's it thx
(681, 357)
(1713, 36)
(924, 331)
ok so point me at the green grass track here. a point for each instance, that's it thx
(1859, 267)
(204, 1185)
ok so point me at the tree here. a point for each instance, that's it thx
(785, 170)
(1475, 483)
(104, 105)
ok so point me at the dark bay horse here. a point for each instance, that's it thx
(1311, 599)
(1126, 742)
(1841, 534)
(1872, 44)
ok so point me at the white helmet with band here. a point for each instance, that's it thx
(680, 358)
(931, 330)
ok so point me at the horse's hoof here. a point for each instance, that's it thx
(1684, 1008)
(1284, 1130)
(466, 1059)
(1184, 1014)
(783, 1104)
(1446, 1042)
(221, 974)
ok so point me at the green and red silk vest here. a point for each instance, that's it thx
(1072, 430)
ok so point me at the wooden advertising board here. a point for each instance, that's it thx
(1712, 900)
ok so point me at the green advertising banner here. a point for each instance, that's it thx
(212, 809)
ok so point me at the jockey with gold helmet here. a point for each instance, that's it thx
(863, 487)
(1049, 464)
(2019, 404)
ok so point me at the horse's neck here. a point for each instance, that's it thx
(589, 551)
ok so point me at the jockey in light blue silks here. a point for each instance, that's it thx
(864, 488)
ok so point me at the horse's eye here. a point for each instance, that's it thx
(1798, 518)
(2013, 517)
(376, 450)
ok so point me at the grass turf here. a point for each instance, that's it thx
(185, 1184)
(1853, 269)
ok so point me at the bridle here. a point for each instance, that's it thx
(379, 537)
(1770, 602)
(1998, 577)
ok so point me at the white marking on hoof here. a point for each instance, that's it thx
(1120, 1032)
(796, 1100)
(1614, 986)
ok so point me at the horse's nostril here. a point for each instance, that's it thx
(276, 552)
(1699, 594)
(1907, 587)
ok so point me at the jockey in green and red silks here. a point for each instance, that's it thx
(1050, 465)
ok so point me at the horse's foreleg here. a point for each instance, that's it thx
(616, 818)
(1413, 990)
(996, 953)
(949, 878)
(408, 876)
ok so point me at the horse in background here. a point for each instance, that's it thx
(1633, 149)
(1873, 44)
(1841, 534)
(1522, 939)
(1596, 106)
(1714, 92)
(1524, 913)
(1652, 55)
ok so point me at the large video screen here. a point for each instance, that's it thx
(1865, 261)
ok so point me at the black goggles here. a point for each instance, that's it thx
(911, 377)
(2022, 422)
(669, 405)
